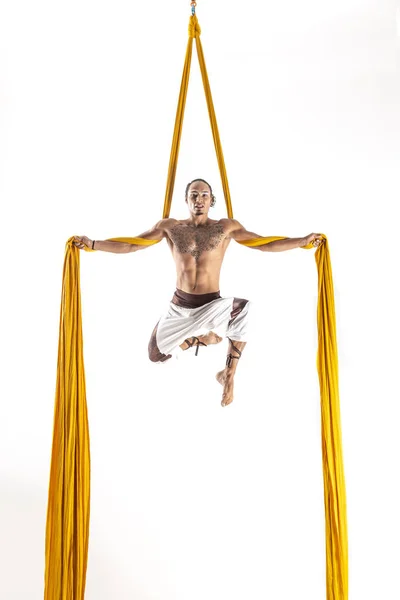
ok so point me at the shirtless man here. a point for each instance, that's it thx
(198, 245)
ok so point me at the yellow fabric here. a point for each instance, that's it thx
(67, 529)
(68, 511)
(194, 32)
(336, 542)
(129, 240)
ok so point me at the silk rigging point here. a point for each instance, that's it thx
(194, 27)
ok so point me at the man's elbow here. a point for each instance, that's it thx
(136, 247)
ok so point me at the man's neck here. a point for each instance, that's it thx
(197, 221)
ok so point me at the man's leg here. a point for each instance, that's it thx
(155, 355)
(237, 327)
(226, 376)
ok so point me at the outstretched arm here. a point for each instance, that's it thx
(240, 234)
(157, 232)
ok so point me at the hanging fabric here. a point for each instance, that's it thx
(67, 528)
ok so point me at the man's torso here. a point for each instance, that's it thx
(198, 252)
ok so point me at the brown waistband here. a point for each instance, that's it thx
(187, 300)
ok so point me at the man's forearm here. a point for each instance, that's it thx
(117, 247)
(285, 244)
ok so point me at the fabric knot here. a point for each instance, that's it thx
(194, 27)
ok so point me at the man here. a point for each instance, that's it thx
(197, 311)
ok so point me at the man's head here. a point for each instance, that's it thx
(199, 196)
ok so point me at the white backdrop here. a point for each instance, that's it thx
(191, 500)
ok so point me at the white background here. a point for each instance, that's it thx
(191, 500)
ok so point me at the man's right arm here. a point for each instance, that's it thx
(157, 232)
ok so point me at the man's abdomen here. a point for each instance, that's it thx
(198, 280)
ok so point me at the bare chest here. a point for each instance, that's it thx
(197, 240)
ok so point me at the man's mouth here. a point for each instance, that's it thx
(197, 207)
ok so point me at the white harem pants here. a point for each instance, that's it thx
(195, 315)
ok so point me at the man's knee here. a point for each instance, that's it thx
(159, 357)
(155, 355)
(237, 307)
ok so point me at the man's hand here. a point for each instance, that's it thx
(82, 241)
(315, 239)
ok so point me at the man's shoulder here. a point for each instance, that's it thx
(229, 224)
(167, 223)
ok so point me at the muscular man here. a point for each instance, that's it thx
(197, 312)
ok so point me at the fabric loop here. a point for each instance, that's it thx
(194, 27)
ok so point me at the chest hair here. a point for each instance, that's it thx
(196, 240)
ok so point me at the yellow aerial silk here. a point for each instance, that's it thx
(67, 530)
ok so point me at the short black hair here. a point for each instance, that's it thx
(213, 199)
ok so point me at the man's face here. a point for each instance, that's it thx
(199, 198)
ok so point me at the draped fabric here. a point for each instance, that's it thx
(336, 546)
(67, 529)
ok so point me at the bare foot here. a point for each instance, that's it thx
(210, 338)
(225, 378)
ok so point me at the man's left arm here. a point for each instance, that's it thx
(237, 232)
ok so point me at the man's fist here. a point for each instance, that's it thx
(82, 241)
(315, 239)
